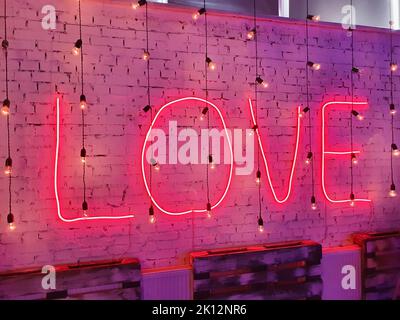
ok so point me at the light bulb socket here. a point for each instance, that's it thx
(313, 17)
(394, 147)
(309, 155)
(204, 111)
(259, 80)
(10, 218)
(392, 187)
(260, 222)
(210, 159)
(209, 207)
(8, 162)
(310, 64)
(208, 60)
(352, 196)
(78, 43)
(353, 156)
(4, 44)
(82, 98)
(355, 113)
(83, 153)
(313, 200)
(147, 108)
(306, 109)
(392, 107)
(6, 103)
(151, 211)
(85, 206)
(258, 174)
(355, 70)
(255, 127)
(201, 11)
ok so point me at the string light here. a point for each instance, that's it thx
(140, 3)
(82, 102)
(392, 192)
(198, 13)
(5, 110)
(313, 18)
(357, 115)
(261, 82)
(146, 55)
(313, 65)
(260, 225)
(83, 155)
(209, 213)
(393, 68)
(354, 159)
(316, 67)
(352, 199)
(152, 218)
(258, 177)
(203, 113)
(251, 34)
(85, 208)
(211, 161)
(211, 65)
(77, 47)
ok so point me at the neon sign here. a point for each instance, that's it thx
(325, 153)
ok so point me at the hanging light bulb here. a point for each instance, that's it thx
(357, 115)
(395, 150)
(355, 70)
(155, 165)
(211, 161)
(392, 192)
(393, 67)
(313, 18)
(82, 102)
(258, 177)
(303, 112)
(8, 166)
(211, 65)
(309, 157)
(262, 83)
(392, 109)
(4, 44)
(253, 129)
(198, 13)
(260, 225)
(77, 47)
(136, 5)
(5, 109)
(85, 208)
(203, 113)
(209, 213)
(83, 155)
(314, 66)
(146, 55)
(10, 221)
(352, 200)
(354, 159)
(147, 108)
(313, 203)
(152, 218)
(251, 34)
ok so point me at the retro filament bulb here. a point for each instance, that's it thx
(82, 102)
(209, 208)
(260, 225)
(11, 222)
(5, 109)
(392, 192)
(8, 166)
(152, 218)
(313, 203)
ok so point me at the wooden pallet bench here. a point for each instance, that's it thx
(102, 280)
(380, 263)
(286, 271)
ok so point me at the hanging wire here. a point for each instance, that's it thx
(352, 98)
(256, 107)
(5, 44)
(391, 98)
(206, 66)
(308, 106)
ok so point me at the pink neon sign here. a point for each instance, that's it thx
(326, 152)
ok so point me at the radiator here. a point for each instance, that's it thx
(341, 273)
(167, 283)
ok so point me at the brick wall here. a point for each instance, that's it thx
(115, 85)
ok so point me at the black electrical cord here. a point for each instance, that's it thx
(352, 100)
(391, 96)
(206, 66)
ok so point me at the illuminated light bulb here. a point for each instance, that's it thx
(262, 83)
(309, 157)
(260, 225)
(211, 65)
(198, 13)
(82, 102)
(352, 200)
(85, 208)
(209, 213)
(8, 166)
(136, 5)
(251, 34)
(10, 221)
(211, 161)
(393, 67)
(5, 109)
(392, 109)
(253, 129)
(83, 155)
(203, 113)
(313, 203)
(314, 66)
(146, 56)
(313, 18)
(303, 112)
(152, 218)
(77, 47)
(357, 115)
(395, 150)
(392, 192)
(354, 159)
(258, 177)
